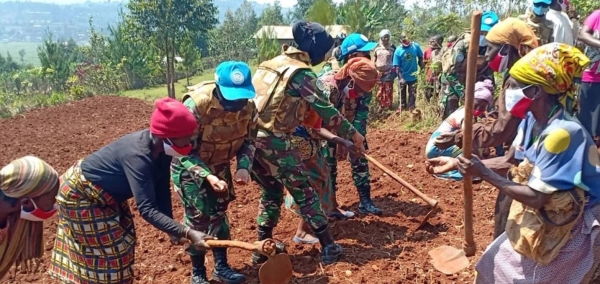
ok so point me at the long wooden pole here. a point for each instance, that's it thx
(469, 242)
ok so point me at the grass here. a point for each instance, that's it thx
(30, 48)
(384, 120)
(156, 92)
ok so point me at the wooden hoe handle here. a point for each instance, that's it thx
(432, 202)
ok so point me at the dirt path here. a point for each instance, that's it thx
(377, 250)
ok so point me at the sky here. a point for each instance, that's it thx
(291, 3)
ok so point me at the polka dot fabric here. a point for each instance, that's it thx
(564, 156)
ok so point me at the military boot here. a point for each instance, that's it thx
(330, 251)
(198, 270)
(366, 205)
(223, 271)
(263, 234)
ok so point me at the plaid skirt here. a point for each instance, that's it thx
(95, 239)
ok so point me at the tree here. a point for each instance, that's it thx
(365, 17)
(165, 23)
(22, 56)
(322, 11)
(301, 9)
(271, 15)
(268, 45)
(191, 58)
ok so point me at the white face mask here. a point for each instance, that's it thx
(37, 215)
(516, 102)
(482, 41)
(170, 151)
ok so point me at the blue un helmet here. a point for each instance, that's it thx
(488, 20)
(356, 43)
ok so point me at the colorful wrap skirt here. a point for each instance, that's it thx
(95, 239)
(313, 157)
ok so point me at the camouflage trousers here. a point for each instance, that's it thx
(360, 168)
(205, 209)
(452, 94)
(318, 173)
(275, 169)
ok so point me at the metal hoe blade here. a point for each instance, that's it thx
(276, 270)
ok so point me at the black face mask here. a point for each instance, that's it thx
(231, 106)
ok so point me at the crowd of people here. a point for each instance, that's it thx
(287, 127)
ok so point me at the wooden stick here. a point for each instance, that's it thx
(469, 242)
(432, 202)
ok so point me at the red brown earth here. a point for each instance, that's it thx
(377, 249)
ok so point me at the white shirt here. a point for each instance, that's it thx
(563, 32)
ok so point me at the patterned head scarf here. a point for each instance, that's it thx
(514, 32)
(552, 66)
(27, 177)
(484, 90)
(362, 71)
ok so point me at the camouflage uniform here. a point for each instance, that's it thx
(221, 136)
(313, 154)
(454, 69)
(356, 111)
(542, 27)
(283, 104)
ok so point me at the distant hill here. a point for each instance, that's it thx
(28, 21)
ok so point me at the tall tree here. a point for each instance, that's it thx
(301, 9)
(168, 22)
(322, 11)
(272, 15)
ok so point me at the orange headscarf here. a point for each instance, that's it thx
(362, 71)
(514, 32)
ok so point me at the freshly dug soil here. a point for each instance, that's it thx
(382, 249)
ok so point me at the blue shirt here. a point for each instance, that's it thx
(564, 156)
(406, 59)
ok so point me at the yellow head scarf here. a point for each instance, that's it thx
(25, 177)
(554, 67)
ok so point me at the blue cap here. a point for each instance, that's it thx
(356, 42)
(488, 20)
(234, 79)
(541, 7)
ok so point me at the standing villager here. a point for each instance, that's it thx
(283, 99)
(227, 119)
(95, 239)
(589, 89)
(408, 59)
(28, 187)
(554, 218)
(454, 66)
(535, 17)
(433, 65)
(383, 56)
(356, 109)
(563, 32)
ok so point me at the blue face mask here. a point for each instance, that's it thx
(540, 10)
(482, 41)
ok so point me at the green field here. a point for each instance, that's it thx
(180, 86)
(14, 47)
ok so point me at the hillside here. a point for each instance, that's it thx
(25, 21)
